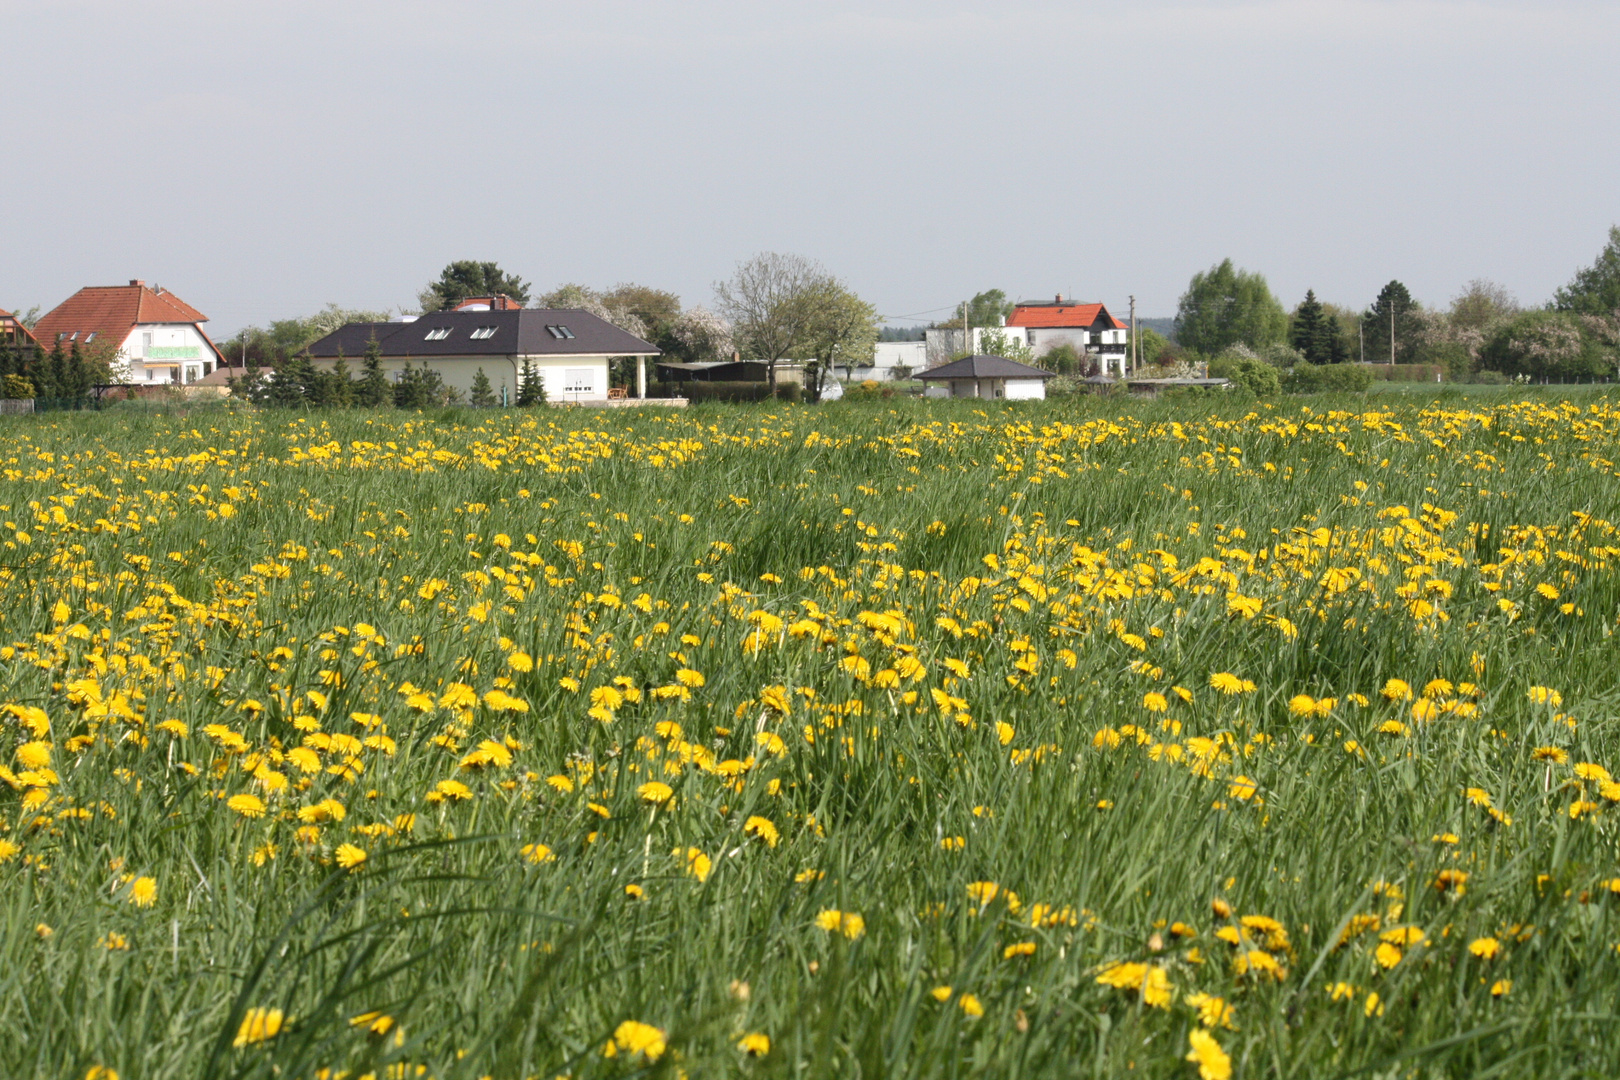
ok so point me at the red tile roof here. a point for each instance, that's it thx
(1067, 316)
(112, 311)
(10, 326)
(501, 302)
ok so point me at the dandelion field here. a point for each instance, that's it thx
(1057, 739)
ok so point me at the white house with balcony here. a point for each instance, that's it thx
(1090, 328)
(148, 333)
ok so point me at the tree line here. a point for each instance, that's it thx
(1483, 334)
(65, 375)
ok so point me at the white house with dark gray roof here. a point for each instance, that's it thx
(570, 349)
(985, 377)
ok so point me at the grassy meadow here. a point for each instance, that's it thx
(1084, 738)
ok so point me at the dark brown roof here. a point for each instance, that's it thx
(985, 367)
(112, 311)
(525, 332)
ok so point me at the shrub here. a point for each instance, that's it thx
(868, 390)
(1403, 372)
(1547, 345)
(740, 391)
(1256, 376)
(1317, 378)
(1064, 359)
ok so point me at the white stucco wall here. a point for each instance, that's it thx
(155, 351)
(1006, 389)
(1044, 339)
(941, 345)
(566, 378)
(888, 354)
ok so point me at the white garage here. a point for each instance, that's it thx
(986, 377)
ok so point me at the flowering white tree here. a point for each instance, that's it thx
(585, 298)
(703, 334)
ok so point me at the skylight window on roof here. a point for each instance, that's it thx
(555, 331)
(483, 333)
(438, 333)
(567, 333)
(91, 336)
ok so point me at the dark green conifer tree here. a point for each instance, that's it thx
(55, 372)
(1393, 312)
(374, 389)
(77, 381)
(531, 387)
(1306, 335)
(482, 396)
(337, 388)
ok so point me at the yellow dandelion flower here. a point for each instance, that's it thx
(1205, 1052)
(250, 806)
(848, 923)
(634, 1038)
(258, 1025)
(697, 863)
(143, 892)
(655, 792)
(350, 857)
(1545, 695)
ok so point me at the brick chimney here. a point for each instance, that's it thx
(137, 282)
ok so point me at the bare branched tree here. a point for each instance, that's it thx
(768, 303)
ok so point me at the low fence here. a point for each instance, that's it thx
(16, 406)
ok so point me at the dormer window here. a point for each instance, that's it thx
(438, 333)
(483, 333)
(561, 333)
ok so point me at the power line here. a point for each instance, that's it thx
(919, 314)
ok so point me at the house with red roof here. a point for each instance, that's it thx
(149, 332)
(14, 332)
(1090, 328)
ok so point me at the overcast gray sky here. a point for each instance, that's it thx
(262, 159)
